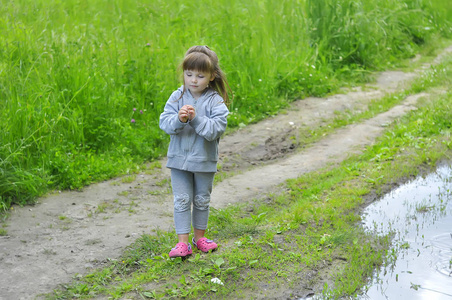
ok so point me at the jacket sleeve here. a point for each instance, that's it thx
(211, 128)
(169, 118)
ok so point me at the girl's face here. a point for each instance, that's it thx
(197, 81)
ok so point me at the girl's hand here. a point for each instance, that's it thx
(187, 112)
(183, 114)
(191, 112)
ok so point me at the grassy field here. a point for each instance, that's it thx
(308, 234)
(73, 74)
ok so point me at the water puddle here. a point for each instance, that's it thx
(419, 214)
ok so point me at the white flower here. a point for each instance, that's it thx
(217, 281)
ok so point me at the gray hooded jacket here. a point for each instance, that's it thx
(194, 145)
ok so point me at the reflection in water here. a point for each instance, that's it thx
(419, 214)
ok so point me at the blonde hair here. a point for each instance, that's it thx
(203, 59)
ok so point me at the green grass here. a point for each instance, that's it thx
(311, 225)
(74, 73)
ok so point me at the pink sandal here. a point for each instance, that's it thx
(204, 244)
(181, 250)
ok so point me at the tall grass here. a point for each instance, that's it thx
(73, 74)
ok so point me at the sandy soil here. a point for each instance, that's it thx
(71, 232)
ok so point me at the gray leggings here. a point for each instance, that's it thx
(188, 188)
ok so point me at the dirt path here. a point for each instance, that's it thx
(69, 233)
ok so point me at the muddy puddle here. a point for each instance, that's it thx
(419, 214)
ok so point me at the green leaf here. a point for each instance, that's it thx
(219, 262)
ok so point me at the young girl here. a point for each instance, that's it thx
(195, 118)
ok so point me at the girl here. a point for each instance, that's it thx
(195, 118)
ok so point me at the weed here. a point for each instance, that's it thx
(128, 179)
(157, 193)
(423, 208)
(163, 182)
(155, 165)
(49, 252)
(102, 207)
(124, 193)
